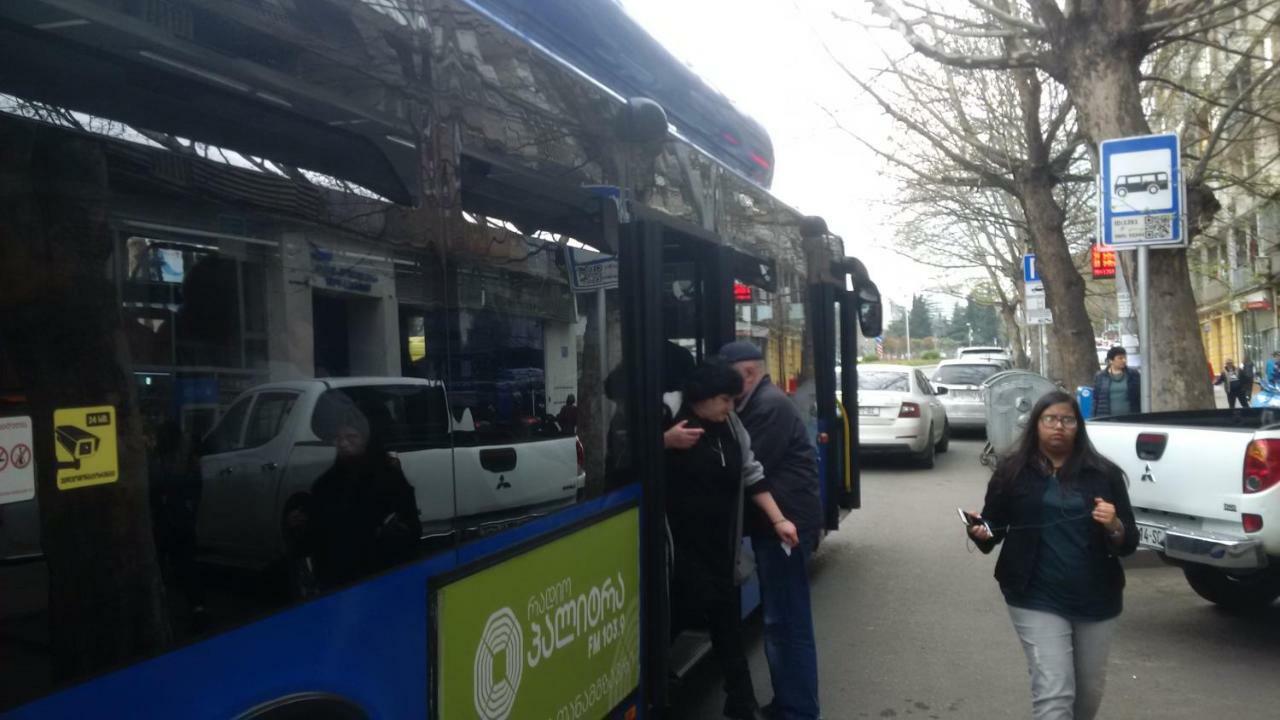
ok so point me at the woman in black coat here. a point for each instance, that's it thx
(707, 482)
(1063, 514)
(361, 516)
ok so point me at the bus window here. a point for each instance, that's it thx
(194, 317)
(529, 352)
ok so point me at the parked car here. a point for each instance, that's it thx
(986, 352)
(963, 380)
(899, 412)
(1205, 488)
(275, 440)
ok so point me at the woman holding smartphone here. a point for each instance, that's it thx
(707, 481)
(1063, 514)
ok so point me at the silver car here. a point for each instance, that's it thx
(899, 412)
(963, 379)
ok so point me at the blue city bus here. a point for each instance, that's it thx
(332, 338)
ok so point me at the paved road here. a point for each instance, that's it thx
(911, 624)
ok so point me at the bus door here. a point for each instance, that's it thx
(840, 311)
(859, 313)
(824, 297)
(681, 311)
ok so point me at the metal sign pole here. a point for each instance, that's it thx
(1146, 347)
(1044, 347)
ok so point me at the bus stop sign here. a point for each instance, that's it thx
(1140, 194)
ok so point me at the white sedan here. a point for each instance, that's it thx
(899, 412)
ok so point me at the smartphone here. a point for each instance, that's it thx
(971, 520)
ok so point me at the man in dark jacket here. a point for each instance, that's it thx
(1116, 389)
(781, 444)
(1232, 380)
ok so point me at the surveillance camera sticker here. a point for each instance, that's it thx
(85, 446)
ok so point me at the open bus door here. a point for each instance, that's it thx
(841, 309)
(860, 312)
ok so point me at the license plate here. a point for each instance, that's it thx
(1151, 537)
(869, 411)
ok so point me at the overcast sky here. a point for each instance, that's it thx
(766, 56)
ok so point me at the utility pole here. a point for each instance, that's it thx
(907, 316)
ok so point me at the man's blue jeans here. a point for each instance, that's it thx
(788, 625)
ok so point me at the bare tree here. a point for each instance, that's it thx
(1014, 133)
(1096, 49)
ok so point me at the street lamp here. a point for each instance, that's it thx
(906, 316)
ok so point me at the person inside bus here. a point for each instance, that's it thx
(1063, 513)
(361, 516)
(706, 484)
(678, 363)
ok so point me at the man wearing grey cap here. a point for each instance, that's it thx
(781, 444)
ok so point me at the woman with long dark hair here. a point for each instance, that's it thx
(1063, 514)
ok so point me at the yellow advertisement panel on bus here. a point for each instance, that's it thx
(551, 634)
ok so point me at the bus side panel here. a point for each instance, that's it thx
(331, 645)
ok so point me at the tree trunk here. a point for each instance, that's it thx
(61, 330)
(1100, 68)
(1071, 331)
(593, 413)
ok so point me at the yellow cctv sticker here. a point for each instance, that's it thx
(85, 442)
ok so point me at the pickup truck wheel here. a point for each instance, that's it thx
(1234, 592)
(924, 459)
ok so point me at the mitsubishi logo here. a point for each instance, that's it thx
(1146, 474)
(502, 482)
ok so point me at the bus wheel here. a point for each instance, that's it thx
(1121, 192)
(1153, 188)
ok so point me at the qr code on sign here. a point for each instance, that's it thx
(1158, 227)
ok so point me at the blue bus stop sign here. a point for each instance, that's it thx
(1140, 194)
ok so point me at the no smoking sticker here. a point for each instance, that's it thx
(17, 471)
(85, 444)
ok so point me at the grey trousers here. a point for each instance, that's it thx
(1067, 661)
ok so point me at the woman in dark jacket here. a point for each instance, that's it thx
(361, 516)
(1062, 511)
(706, 485)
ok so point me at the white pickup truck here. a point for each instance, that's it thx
(1205, 488)
(273, 442)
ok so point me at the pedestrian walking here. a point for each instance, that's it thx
(1232, 381)
(781, 444)
(1248, 376)
(1116, 388)
(1063, 515)
(706, 486)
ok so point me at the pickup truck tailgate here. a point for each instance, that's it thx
(1195, 471)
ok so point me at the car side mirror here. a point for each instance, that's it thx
(940, 391)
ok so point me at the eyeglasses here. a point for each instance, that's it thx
(1063, 421)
